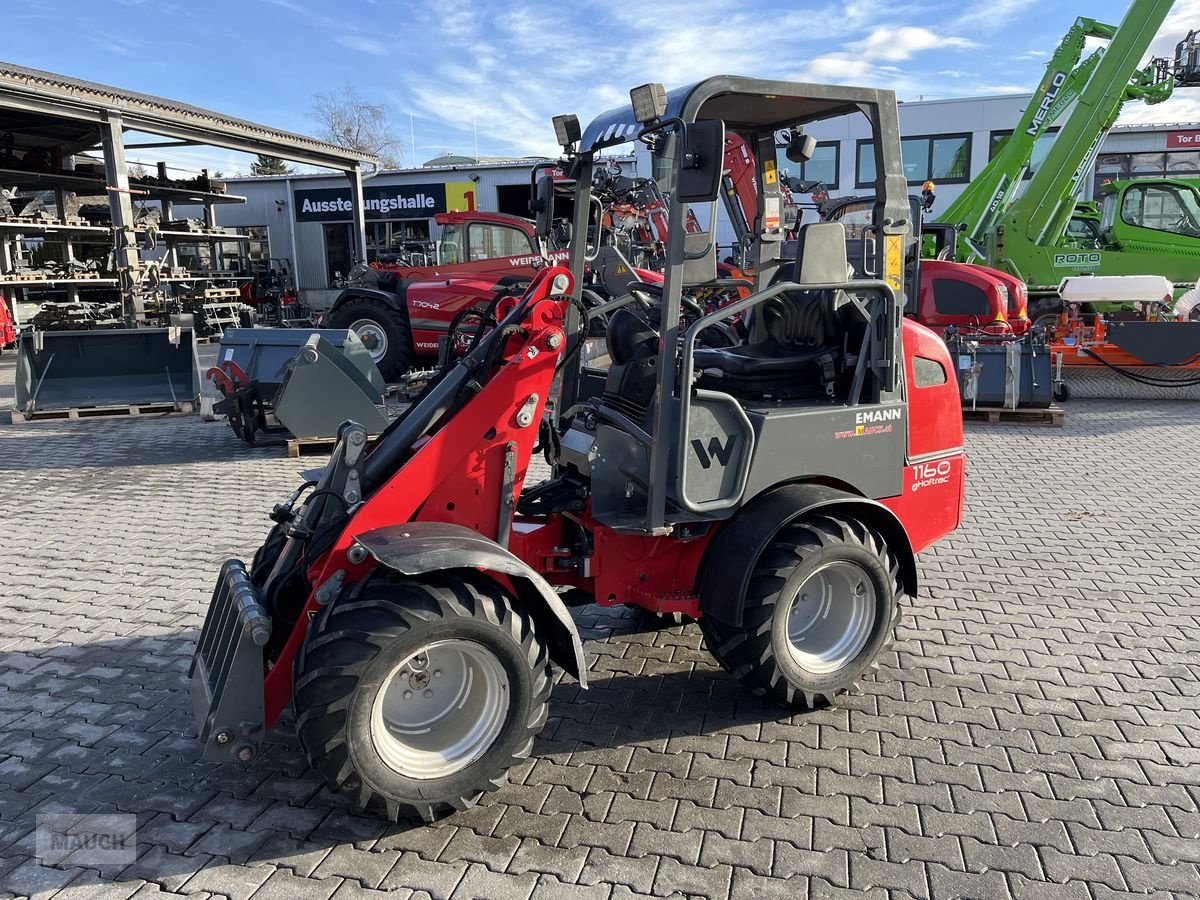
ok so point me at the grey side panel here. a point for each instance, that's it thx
(862, 445)
(620, 475)
(418, 547)
(720, 446)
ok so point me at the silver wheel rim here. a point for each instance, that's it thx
(440, 710)
(830, 618)
(373, 337)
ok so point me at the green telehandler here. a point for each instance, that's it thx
(1042, 234)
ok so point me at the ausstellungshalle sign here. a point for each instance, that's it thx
(385, 201)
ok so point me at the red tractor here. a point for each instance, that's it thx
(412, 597)
(400, 312)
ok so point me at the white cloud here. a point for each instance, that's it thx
(902, 43)
(996, 13)
(363, 44)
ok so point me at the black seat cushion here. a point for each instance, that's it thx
(801, 356)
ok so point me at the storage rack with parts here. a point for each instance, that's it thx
(215, 290)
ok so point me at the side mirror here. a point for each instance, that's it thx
(801, 147)
(703, 160)
(542, 206)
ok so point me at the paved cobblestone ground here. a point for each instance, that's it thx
(1034, 734)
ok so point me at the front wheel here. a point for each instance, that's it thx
(416, 697)
(821, 606)
(383, 331)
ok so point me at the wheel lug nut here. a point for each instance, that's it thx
(429, 693)
(437, 673)
(407, 695)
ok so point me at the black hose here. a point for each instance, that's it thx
(1146, 380)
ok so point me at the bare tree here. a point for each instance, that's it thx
(344, 118)
(137, 172)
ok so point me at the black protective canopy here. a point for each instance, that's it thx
(743, 104)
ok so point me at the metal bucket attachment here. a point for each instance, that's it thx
(264, 354)
(323, 388)
(119, 367)
(227, 669)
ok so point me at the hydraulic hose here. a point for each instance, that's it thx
(1147, 380)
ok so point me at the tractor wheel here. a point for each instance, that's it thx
(821, 606)
(1045, 312)
(415, 697)
(384, 332)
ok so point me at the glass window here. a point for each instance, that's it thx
(915, 153)
(950, 158)
(1163, 208)
(941, 157)
(855, 217)
(450, 249)
(1147, 163)
(866, 164)
(823, 167)
(1187, 161)
(488, 241)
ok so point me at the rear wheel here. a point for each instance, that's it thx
(417, 696)
(384, 332)
(821, 606)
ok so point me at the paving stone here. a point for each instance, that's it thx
(284, 885)
(437, 879)
(562, 864)
(366, 867)
(232, 881)
(480, 882)
(604, 867)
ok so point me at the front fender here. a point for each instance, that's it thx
(415, 548)
(731, 555)
(395, 301)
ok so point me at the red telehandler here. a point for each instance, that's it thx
(412, 597)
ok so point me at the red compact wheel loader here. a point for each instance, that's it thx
(411, 598)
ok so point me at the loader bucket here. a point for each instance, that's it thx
(119, 367)
(322, 388)
(265, 353)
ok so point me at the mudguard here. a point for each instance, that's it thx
(394, 300)
(418, 547)
(730, 557)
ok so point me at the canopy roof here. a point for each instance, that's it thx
(744, 104)
(42, 106)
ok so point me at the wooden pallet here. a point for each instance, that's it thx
(101, 412)
(297, 447)
(1052, 415)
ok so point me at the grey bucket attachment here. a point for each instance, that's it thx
(323, 388)
(119, 367)
(265, 353)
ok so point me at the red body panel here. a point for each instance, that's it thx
(8, 331)
(931, 503)
(935, 270)
(453, 476)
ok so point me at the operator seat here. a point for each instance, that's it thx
(801, 351)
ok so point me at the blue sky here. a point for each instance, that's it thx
(498, 69)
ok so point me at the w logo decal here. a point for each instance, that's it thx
(716, 450)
